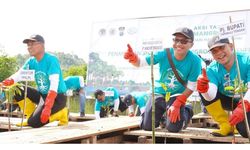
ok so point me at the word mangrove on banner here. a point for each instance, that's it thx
(205, 30)
(27, 75)
(232, 29)
(152, 45)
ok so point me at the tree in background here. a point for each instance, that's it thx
(100, 73)
(21, 59)
(76, 71)
(66, 60)
(8, 66)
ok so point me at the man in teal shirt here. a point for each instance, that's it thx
(76, 83)
(188, 66)
(220, 90)
(136, 98)
(50, 97)
(108, 100)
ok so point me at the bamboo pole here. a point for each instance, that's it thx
(8, 109)
(24, 103)
(240, 85)
(153, 97)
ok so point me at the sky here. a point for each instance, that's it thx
(66, 24)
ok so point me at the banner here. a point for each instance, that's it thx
(107, 67)
(232, 29)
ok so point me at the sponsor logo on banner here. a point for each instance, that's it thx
(121, 31)
(102, 32)
(112, 31)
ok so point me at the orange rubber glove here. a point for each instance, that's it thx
(49, 102)
(238, 113)
(202, 82)
(8, 82)
(130, 55)
(173, 112)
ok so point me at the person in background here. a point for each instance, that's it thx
(108, 101)
(76, 83)
(2, 101)
(136, 98)
(218, 87)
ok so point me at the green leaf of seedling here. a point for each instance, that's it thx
(229, 88)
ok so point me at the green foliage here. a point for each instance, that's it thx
(75, 105)
(68, 60)
(21, 59)
(10, 91)
(76, 71)
(8, 66)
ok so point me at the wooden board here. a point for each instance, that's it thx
(76, 117)
(74, 131)
(201, 117)
(13, 114)
(189, 133)
(202, 122)
(4, 124)
(16, 118)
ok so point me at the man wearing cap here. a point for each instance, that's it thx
(50, 97)
(188, 66)
(108, 101)
(136, 98)
(219, 84)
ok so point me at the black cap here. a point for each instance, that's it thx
(128, 99)
(216, 41)
(34, 38)
(186, 32)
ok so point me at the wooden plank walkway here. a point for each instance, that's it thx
(188, 135)
(86, 131)
(202, 122)
(73, 116)
(16, 118)
(13, 114)
(76, 117)
(4, 124)
(91, 131)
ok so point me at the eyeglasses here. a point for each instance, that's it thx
(182, 41)
(32, 44)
